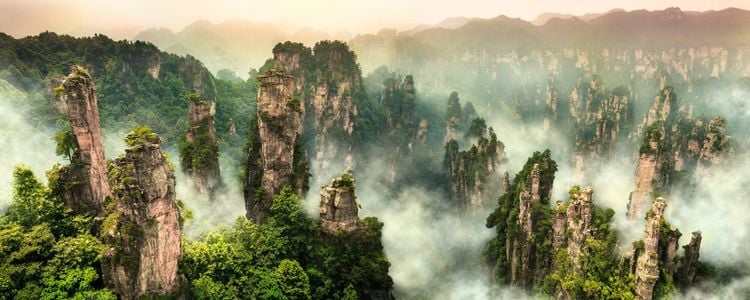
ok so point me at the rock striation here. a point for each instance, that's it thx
(338, 205)
(328, 84)
(471, 170)
(272, 159)
(142, 232)
(655, 261)
(199, 151)
(677, 149)
(85, 179)
(647, 266)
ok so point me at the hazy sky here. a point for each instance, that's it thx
(23, 17)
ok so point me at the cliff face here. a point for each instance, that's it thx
(338, 82)
(578, 215)
(271, 163)
(655, 261)
(676, 150)
(142, 232)
(715, 147)
(689, 264)
(647, 266)
(328, 83)
(471, 170)
(200, 150)
(600, 119)
(338, 205)
(403, 128)
(518, 254)
(649, 170)
(85, 178)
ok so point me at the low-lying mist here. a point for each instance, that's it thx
(21, 142)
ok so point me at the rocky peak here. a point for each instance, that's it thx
(649, 170)
(662, 108)
(715, 148)
(271, 161)
(453, 117)
(142, 232)
(647, 266)
(85, 178)
(689, 264)
(578, 215)
(197, 78)
(338, 205)
(200, 150)
(471, 170)
(339, 81)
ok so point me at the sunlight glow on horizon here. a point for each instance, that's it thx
(332, 16)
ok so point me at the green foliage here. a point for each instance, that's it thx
(203, 152)
(287, 257)
(505, 218)
(602, 275)
(45, 251)
(34, 204)
(140, 135)
(292, 280)
(652, 133)
(128, 94)
(454, 107)
(66, 143)
(478, 128)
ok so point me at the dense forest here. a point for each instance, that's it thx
(469, 171)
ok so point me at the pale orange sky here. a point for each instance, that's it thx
(24, 17)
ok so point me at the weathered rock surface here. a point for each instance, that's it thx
(649, 171)
(578, 215)
(327, 83)
(471, 170)
(647, 266)
(85, 179)
(271, 161)
(338, 205)
(526, 263)
(338, 82)
(600, 118)
(689, 264)
(200, 150)
(142, 233)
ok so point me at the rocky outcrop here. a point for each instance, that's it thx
(271, 161)
(197, 78)
(338, 205)
(647, 265)
(551, 104)
(505, 184)
(453, 118)
(649, 170)
(85, 179)
(519, 255)
(600, 119)
(471, 170)
(578, 216)
(200, 149)
(403, 128)
(689, 264)
(142, 232)
(715, 147)
(328, 84)
(339, 81)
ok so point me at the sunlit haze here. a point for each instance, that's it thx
(20, 18)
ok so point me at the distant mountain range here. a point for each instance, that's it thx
(241, 45)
